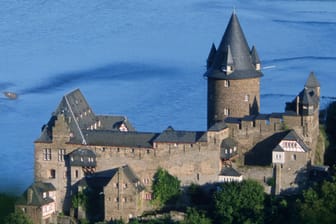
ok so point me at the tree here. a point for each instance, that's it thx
(17, 217)
(7, 203)
(319, 205)
(165, 187)
(80, 200)
(195, 217)
(239, 202)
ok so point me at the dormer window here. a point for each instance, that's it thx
(229, 69)
(258, 67)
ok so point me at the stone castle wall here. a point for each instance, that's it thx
(191, 163)
(238, 97)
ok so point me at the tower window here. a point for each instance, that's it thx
(61, 153)
(226, 111)
(52, 174)
(226, 83)
(246, 98)
(46, 154)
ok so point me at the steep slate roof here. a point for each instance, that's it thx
(218, 126)
(308, 97)
(80, 117)
(234, 50)
(255, 56)
(228, 143)
(37, 189)
(229, 171)
(132, 178)
(119, 139)
(103, 178)
(170, 135)
(99, 179)
(83, 158)
(312, 81)
(109, 122)
(293, 136)
(211, 56)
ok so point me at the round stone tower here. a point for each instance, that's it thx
(233, 73)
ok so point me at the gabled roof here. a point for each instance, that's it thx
(34, 194)
(234, 49)
(119, 139)
(292, 136)
(229, 171)
(99, 179)
(132, 177)
(79, 117)
(172, 136)
(312, 81)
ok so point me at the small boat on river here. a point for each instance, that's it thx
(10, 95)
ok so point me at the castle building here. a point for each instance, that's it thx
(79, 150)
(233, 73)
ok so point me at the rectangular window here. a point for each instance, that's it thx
(47, 154)
(148, 196)
(226, 83)
(61, 154)
(226, 111)
(246, 98)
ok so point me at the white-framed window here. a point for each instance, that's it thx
(47, 154)
(61, 154)
(226, 83)
(246, 98)
(226, 111)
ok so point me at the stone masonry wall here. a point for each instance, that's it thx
(238, 97)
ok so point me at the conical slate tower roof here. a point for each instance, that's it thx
(234, 51)
(312, 81)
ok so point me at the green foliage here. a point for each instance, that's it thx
(239, 202)
(280, 210)
(17, 217)
(331, 119)
(7, 203)
(319, 205)
(164, 220)
(80, 200)
(322, 144)
(165, 187)
(330, 153)
(195, 217)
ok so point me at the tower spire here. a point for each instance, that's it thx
(233, 39)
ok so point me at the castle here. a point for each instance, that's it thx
(78, 149)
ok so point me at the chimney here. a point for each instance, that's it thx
(30, 196)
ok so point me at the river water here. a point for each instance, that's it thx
(145, 59)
